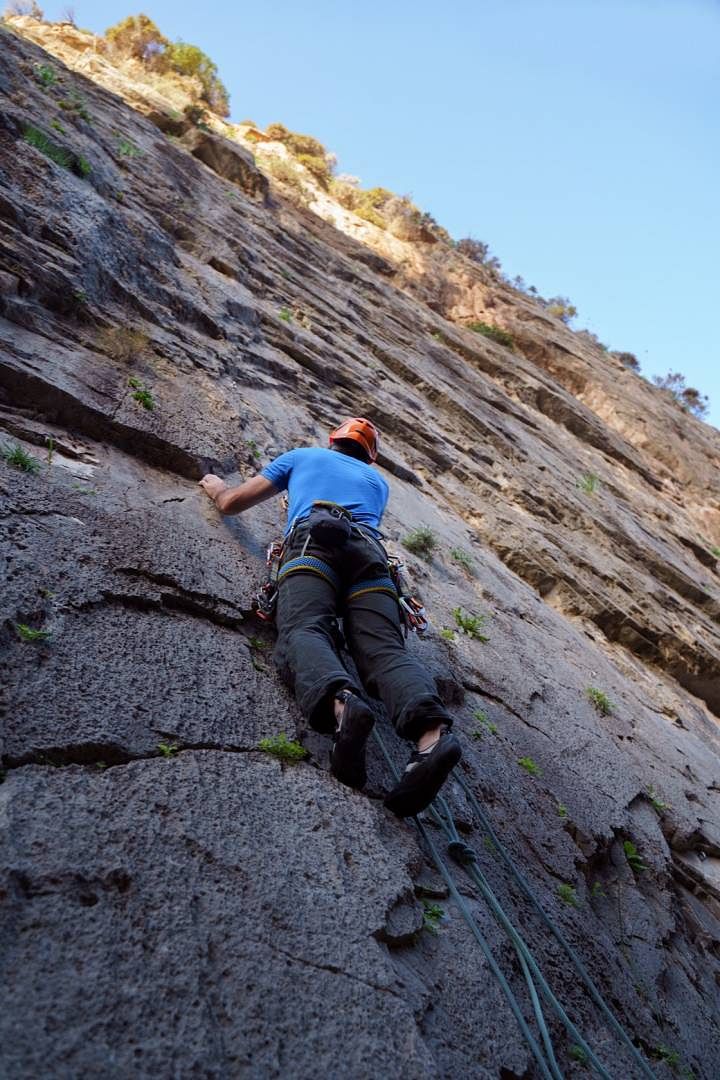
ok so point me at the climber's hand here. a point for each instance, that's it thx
(212, 485)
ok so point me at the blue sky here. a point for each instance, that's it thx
(579, 138)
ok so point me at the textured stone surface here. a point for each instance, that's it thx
(215, 913)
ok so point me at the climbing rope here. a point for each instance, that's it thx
(466, 857)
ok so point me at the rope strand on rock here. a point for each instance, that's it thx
(466, 857)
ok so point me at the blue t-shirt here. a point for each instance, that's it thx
(311, 474)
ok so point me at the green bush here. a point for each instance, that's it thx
(307, 150)
(421, 541)
(599, 699)
(471, 625)
(460, 556)
(20, 459)
(495, 333)
(26, 633)
(561, 308)
(633, 857)
(589, 483)
(628, 359)
(137, 36)
(568, 895)
(478, 252)
(687, 397)
(190, 60)
(282, 747)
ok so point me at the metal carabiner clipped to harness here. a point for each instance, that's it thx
(411, 609)
(266, 600)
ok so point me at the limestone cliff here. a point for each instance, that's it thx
(177, 903)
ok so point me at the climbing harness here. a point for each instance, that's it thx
(464, 855)
(331, 525)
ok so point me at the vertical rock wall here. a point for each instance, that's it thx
(174, 902)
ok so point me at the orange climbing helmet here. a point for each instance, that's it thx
(360, 431)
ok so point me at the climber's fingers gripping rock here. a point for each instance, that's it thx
(212, 485)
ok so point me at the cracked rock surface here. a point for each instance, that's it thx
(203, 910)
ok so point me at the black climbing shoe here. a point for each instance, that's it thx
(425, 773)
(347, 758)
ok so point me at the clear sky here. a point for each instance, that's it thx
(579, 138)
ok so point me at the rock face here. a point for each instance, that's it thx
(174, 902)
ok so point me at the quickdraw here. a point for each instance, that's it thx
(266, 600)
(411, 609)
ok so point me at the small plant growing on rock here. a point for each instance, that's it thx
(75, 105)
(26, 633)
(715, 551)
(633, 857)
(530, 766)
(578, 1054)
(127, 148)
(45, 75)
(258, 643)
(142, 395)
(670, 1057)
(283, 748)
(470, 624)
(489, 845)
(34, 137)
(485, 724)
(448, 635)
(433, 915)
(421, 541)
(168, 750)
(253, 448)
(568, 895)
(20, 459)
(495, 333)
(597, 892)
(589, 483)
(658, 805)
(561, 810)
(462, 558)
(599, 700)
(285, 314)
(57, 126)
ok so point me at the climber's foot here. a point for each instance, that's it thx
(425, 773)
(347, 757)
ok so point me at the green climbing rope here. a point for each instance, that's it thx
(467, 858)
(557, 933)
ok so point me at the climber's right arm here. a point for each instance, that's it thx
(233, 500)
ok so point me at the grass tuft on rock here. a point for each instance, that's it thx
(495, 333)
(26, 633)
(20, 459)
(283, 748)
(421, 541)
(599, 700)
(472, 625)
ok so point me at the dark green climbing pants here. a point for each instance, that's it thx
(317, 585)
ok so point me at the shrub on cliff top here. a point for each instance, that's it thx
(139, 37)
(188, 59)
(477, 251)
(307, 150)
(687, 397)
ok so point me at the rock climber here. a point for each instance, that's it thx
(334, 565)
